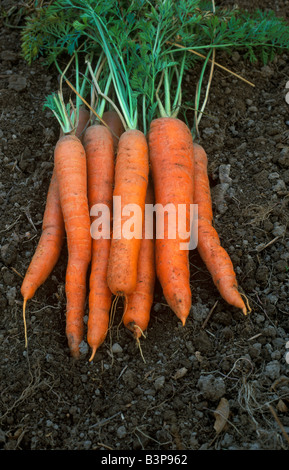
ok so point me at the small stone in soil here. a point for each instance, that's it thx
(212, 388)
(116, 348)
(121, 432)
(17, 83)
(272, 370)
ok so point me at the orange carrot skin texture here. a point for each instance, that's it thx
(131, 180)
(112, 119)
(51, 241)
(138, 305)
(213, 254)
(49, 245)
(99, 148)
(171, 157)
(71, 171)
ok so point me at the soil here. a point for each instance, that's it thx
(164, 396)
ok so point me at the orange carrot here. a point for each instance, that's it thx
(99, 148)
(131, 179)
(138, 305)
(51, 241)
(213, 254)
(171, 157)
(71, 172)
(49, 246)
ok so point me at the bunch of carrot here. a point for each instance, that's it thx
(86, 174)
(113, 159)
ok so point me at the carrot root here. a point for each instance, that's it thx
(171, 157)
(71, 170)
(136, 314)
(99, 147)
(24, 322)
(131, 179)
(215, 257)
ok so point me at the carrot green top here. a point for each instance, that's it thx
(67, 114)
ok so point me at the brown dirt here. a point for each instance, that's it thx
(50, 402)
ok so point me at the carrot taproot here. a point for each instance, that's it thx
(99, 147)
(71, 172)
(138, 304)
(215, 257)
(131, 179)
(171, 158)
(53, 233)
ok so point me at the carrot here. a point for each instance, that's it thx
(131, 179)
(213, 254)
(138, 304)
(99, 148)
(49, 246)
(171, 157)
(71, 171)
(53, 232)
(131, 169)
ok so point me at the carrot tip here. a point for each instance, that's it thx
(74, 352)
(24, 321)
(183, 319)
(75, 355)
(139, 346)
(246, 310)
(92, 354)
